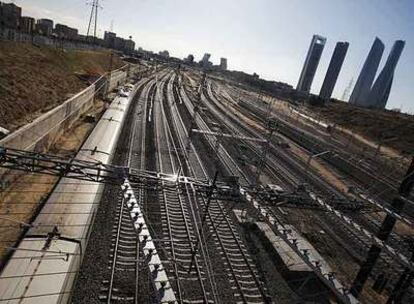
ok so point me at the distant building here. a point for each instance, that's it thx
(44, 27)
(119, 43)
(64, 31)
(82, 38)
(363, 85)
(206, 57)
(334, 68)
(205, 63)
(164, 54)
(223, 64)
(109, 38)
(27, 25)
(189, 59)
(380, 91)
(98, 41)
(311, 63)
(10, 15)
(129, 46)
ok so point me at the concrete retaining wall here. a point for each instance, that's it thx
(42, 132)
(132, 69)
(120, 75)
(115, 79)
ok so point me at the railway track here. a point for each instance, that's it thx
(360, 243)
(200, 247)
(123, 260)
(121, 284)
(190, 270)
(222, 240)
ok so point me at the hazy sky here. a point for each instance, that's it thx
(270, 37)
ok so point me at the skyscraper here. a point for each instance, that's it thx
(334, 68)
(311, 63)
(380, 91)
(363, 85)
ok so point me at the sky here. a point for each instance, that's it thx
(269, 37)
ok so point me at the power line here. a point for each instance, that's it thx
(93, 19)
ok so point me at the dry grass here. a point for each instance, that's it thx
(397, 129)
(33, 79)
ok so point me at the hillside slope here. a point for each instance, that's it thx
(34, 79)
(395, 130)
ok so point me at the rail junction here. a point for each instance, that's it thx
(189, 153)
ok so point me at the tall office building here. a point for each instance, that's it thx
(334, 68)
(363, 85)
(380, 91)
(311, 63)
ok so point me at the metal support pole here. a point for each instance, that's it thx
(384, 232)
(403, 283)
(200, 230)
(96, 21)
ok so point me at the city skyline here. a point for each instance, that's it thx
(254, 40)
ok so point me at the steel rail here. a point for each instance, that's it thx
(218, 208)
(387, 248)
(175, 154)
(334, 287)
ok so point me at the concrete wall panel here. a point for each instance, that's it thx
(51, 124)
(116, 78)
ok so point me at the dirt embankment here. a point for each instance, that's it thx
(33, 79)
(395, 130)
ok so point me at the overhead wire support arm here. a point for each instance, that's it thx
(35, 162)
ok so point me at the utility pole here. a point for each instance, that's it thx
(404, 282)
(96, 20)
(384, 231)
(93, 20)
(196, 108)
(271, 127)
